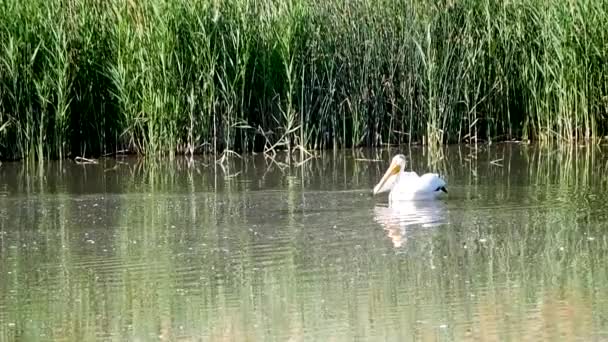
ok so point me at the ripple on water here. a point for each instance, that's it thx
(483, 264)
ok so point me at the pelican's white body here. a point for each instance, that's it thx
(408, 186)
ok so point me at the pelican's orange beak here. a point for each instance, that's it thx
(384, 184)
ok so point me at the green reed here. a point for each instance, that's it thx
(83, 77)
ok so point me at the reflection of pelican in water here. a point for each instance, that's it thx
(407, 186)
(396, 218)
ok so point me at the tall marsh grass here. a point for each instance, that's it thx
(88, 77)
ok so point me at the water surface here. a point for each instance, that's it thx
(254, 249)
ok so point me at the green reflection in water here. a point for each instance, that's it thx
(255, 250)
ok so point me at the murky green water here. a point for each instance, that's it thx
(253, 250)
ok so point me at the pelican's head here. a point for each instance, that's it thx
(390, 176)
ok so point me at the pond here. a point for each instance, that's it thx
(255, 248)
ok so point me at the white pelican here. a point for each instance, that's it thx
(408, 186)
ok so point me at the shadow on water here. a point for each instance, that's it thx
(258, 250)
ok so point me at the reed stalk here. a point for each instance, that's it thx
(84, 78)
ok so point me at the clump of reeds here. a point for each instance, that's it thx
(87, 77)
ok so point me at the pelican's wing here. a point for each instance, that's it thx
(410, 182)
(430, 182)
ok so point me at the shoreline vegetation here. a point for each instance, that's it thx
(89, 77)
